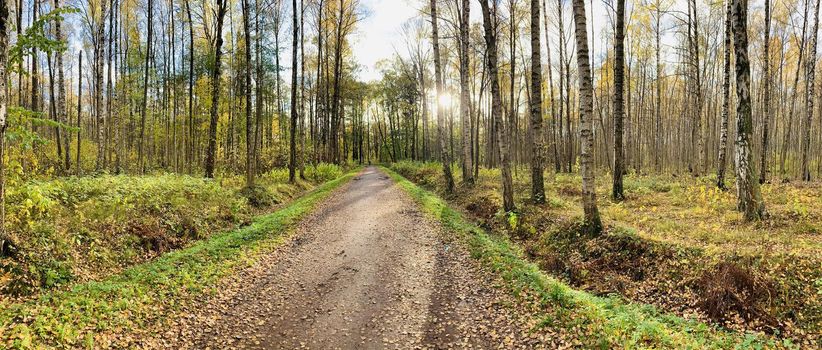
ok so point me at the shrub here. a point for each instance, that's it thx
(259, 196)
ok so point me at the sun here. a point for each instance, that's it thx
(445, 100)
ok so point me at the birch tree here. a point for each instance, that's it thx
(749, 199)
(593, 223)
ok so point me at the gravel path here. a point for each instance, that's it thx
(365, 271)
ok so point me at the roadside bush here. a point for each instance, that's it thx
(323, 172)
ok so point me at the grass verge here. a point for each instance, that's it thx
(145, 293)
(585, 320)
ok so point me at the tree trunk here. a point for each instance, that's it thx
(190, 150)
(592, 224)
(211, 152)
(465, 94)
(301, 159)
(726, 101)
(766, 112)
(496, 104)
(144, 110)
(61, 92)
(249, 132)
(619, 103)
(553, 138)
(292, 164)
(786, 141)
(98, 91)
(537, 146)
(79, 110)
(446, 159)
(258, 128)
(659, 140)
(749, 199)
(809, 96)
(6, 245)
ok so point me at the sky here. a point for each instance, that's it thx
(379, 34)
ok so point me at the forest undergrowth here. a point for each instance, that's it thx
(103, 311)
(77, 229)
(676, 243)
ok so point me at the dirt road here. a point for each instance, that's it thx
(365, 271)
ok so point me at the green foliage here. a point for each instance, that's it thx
(19, 131)
(323, 172)
(259, 196)
(37, 37)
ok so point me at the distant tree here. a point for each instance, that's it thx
(800, 59)
(593, 223)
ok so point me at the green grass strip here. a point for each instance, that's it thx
(141, 294)
(596, 322)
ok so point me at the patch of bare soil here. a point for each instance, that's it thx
(365, 271)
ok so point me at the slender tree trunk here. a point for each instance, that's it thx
(659, 140)
(98, 91)
(53, 110)
(749, 199)
(563, 91)
(258, 128)
(619, 103)
(249, 132)
(446, 159)
(809, 97)
(144, 110)
(537, 146)
(726, 101)
(292, 164)
(593, 223)
(35, 76)
(766, 112)
(211, 152)
(110, 90)
(79, 110)
(61, 92)
(301, 159)
(6, 245)
(190, 151)
(465, 93)
(786, 141)
(496, 104)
